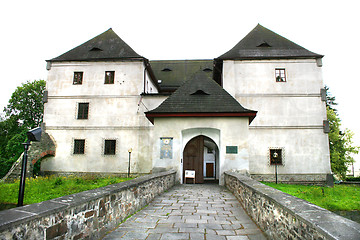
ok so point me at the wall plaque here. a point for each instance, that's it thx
(231, 149)
(166, 148)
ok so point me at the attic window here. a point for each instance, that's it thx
(199, 92)
(207, 70)
(263, 44)
(166, 70)
(95, 49)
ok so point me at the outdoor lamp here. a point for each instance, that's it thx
(129, 150)
(35, 136)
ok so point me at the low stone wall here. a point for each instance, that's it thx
(314, 179)
(85, 215)
(282, 216)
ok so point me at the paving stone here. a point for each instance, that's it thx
(190, 212)
(226, 232)
(192, 230)
(214, 237)
(197, 236)
(237, 238)
(154, 236)
(170, 236)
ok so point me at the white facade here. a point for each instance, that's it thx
(290, 115)
(116, 112)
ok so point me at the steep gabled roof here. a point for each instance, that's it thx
(106, 46)
(262, 43)
(173, 73)
(200, 97)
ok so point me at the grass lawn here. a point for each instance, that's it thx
(46, 188)
(338, 198)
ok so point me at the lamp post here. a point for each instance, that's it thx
(33, 135)
(130, 150)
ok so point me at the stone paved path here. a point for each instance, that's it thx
(201, 211)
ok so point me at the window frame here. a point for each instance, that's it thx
(280, 75)
(78, 78)
(111, 78)
(81, 113)
(79, 149)
(107, 151)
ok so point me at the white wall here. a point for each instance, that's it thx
(290, 114)
(224, 131)
(116, 111)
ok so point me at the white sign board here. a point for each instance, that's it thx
(189, 174)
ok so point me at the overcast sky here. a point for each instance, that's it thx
(34, 31)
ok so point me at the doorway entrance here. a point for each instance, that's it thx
(200, 155)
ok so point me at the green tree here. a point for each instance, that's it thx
(341, 145)
(24, 111)
(26, 104)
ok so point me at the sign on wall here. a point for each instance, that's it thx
(166, 150)
(231, 149)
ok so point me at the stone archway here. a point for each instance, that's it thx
(194, 158)
(203, 135)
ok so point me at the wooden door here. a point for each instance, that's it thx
(209, 169)
(193, 158)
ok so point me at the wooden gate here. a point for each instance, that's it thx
(193, 158)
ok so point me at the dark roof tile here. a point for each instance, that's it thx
(200, 94)
(106, 46)
(262, 43)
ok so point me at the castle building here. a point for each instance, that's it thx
(258, 108)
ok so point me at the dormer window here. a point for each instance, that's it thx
(280, 75)
(95, 49)
(166, 70)
(199, 92)
(263, 45)
(207, 70)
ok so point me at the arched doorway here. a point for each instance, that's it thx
(196, 157)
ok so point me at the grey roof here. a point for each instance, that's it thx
(198, 96)
(262, 43)
(106, 46)
(173, 73)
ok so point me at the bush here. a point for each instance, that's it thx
(353, 179)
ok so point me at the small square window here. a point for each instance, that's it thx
(276, 156)
(78, 78)
(79, 146)
(280, 75)
(110, 147)
(109, 77)
(83, 111)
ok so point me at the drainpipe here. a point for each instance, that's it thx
(146, 65)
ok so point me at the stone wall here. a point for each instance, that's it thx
(85, 215)
(282, 216)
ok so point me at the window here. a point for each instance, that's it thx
(79, 146)
(276, 156)
(280, 75)
(109, 77)
(110, 147)
(83, 111)
(78, 77)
